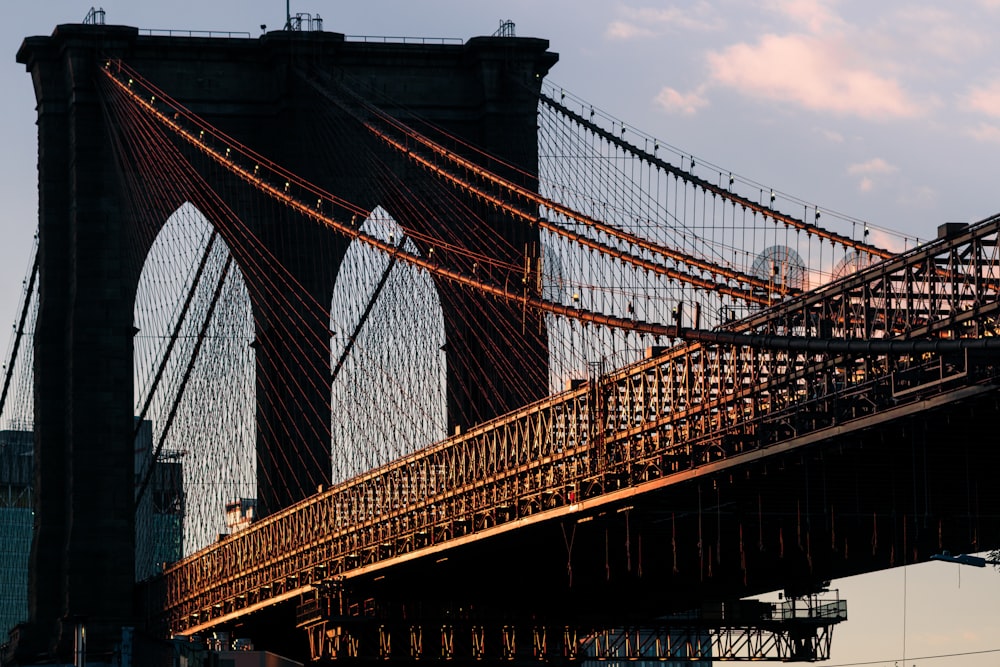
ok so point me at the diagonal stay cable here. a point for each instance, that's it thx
(534, 198)
(368, 309)
(184, 380)
(181, 317)
(19, 333)
(278, 184)
(260, 175)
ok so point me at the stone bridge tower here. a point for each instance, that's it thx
(482, 91)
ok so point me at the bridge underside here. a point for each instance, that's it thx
(879, 492)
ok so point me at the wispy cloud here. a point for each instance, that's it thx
(625, 30)
(815, 16)
(674, 101)
(811, 72)
(983, 99)
(985, 132)
(644, 22)
(931, 36)
(868, 171)
(919, 197)
(832, 136)
(874, 166)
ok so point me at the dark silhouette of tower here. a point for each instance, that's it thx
(483, 92)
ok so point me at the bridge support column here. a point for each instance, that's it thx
(82, 559)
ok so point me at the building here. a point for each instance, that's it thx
(16, 519)
(159, 516)
(240, 514)
(159, 513)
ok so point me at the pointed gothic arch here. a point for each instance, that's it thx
(194, 389)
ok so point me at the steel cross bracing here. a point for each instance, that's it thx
(951, 283)
(451, 641)
(673, 643)
(690, 406)
(794, 629)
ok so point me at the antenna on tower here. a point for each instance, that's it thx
(288, 14)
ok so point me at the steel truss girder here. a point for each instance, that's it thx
(689, 406)
(797, 628)
(948, 285)
(346, 639)
(672, 418)
(691, 643)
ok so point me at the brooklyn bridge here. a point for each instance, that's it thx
(361, 350)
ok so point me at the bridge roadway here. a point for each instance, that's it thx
(702, 472)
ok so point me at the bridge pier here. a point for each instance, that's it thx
(82, 558)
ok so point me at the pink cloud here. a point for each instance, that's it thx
(874, 166)
(810, 72)
(984, 99)
(941, 33)
(868, 170)
(625, 31)
(985, 132)
(814, 15)
(832, 136)
(643, 22)
(674, 101)
(701, 16)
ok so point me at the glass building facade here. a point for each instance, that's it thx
(158, 526)
(16, 519)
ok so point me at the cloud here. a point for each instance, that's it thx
(984, 99)
(627, 31)
(891, 241)
(867, 170)
(921, 196)
(985, 132)
(674, 101)
(874, 166)
(932, 35)
(832, 136)
(813, 15)
(645, 22)
(815, 73)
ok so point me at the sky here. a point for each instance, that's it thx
(885, 111)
